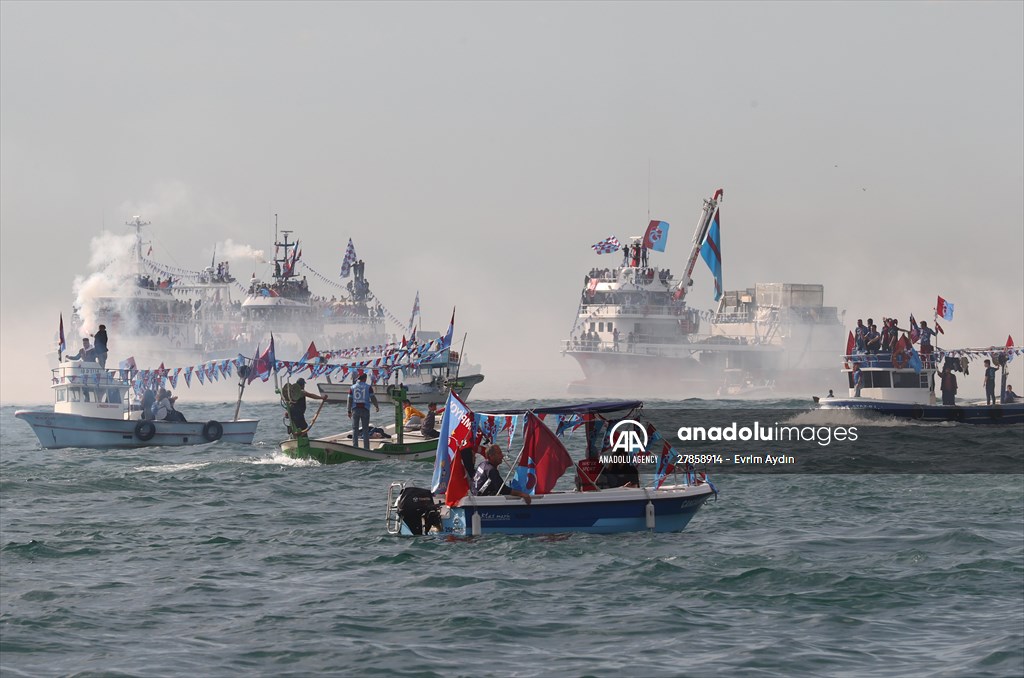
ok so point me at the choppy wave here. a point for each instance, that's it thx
(228, 560)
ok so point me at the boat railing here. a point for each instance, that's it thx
(884, 361)
(638, 347)
(83, 374)
(605, 310)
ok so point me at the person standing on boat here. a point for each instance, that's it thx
(487, 482)
(86, 353)
(926, 339)
(859, 334)
(100, 343)
(872, 340)
(857, 381)
(359, 398)
(295, 397)
(428, 430)
(990, 383)
(947, 385)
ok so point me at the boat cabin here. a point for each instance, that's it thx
(84, 388)
(882, 380)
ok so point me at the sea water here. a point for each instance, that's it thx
(223, 560)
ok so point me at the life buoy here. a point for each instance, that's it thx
(213, 430)
(145, 430)
(900, 359)
(916, 412)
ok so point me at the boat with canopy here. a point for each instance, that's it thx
(607, 494)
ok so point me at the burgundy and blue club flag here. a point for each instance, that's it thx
(711, 252)
(944, 309)
(456, 433)
(607, 246)
(656, 236)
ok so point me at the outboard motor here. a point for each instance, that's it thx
(418, 511)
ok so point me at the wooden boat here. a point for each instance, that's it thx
(340, 448)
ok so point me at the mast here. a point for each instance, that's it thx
(137, 223)
(686, 280)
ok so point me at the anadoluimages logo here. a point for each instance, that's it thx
(628, 440)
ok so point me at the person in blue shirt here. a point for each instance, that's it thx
(873, 340)
(359, 398)
(990, 383)
(859, 333)
(1010, 396)
(856, 381)
(926, 338)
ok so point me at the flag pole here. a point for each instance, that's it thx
(458, 365)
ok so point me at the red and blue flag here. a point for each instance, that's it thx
(543, 459)
(656, 236)
(711, 252)
(456, 432)
(607, 246)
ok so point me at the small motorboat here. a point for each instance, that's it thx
(609, 496)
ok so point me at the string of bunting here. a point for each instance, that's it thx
(388, 314)
(399, 360)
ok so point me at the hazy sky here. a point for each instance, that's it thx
(474, 151)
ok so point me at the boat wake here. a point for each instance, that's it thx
(840, 417)
(173, 468)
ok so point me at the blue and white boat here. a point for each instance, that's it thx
(606, 499)
(894, 385)
(92, 409)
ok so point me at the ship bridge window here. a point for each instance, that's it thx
(909, 380)
(879, 380)
(62, 395)
(74, 395)
(600, 327)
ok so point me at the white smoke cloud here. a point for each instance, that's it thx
(233, 251)
(113, 259)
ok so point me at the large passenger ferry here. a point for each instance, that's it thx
(163, 313)
(637, 328)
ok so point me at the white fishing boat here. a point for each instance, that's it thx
(903, 384)
(635, 327)
(93, 409)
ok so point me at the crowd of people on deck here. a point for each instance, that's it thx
(644, 276)
(869, 340)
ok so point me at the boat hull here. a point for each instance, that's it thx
(334, 451)
(685, 376)
(605, 512)
(1012, 413)
(56, 430)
